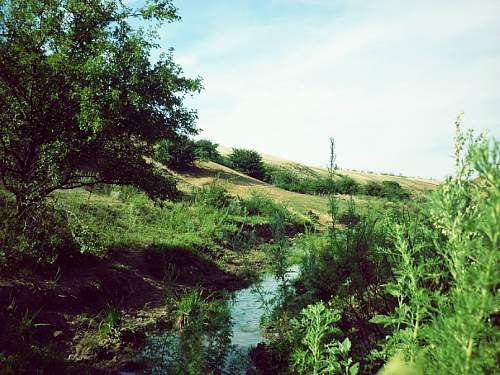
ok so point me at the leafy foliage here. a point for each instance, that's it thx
(53, 236)
(176, 153)
(80, 101)
(316, 354)
(386, 189)
(317, 185)
(446, 289)
(248, 162)
(413, 287)
(206, 150)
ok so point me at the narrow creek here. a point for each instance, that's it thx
(250, 305)
(247, 307)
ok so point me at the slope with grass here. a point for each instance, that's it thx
(414, 184)
(204, 173)
(94, 307)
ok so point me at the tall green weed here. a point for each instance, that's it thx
(446, 287)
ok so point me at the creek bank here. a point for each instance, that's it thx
(124, 293)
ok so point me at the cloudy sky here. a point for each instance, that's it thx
(385, 78)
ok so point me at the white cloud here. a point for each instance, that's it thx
(385, 78)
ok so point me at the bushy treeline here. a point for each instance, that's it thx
(184, 151)
(293, 181)
(409, 291)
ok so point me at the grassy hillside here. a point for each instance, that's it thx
(414, 184)
(239, 184)
(112, 242)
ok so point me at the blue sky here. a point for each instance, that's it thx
(386, 78)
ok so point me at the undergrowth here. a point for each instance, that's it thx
(410, 289)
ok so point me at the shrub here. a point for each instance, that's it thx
(213, 195)
(176, 155)
(446, 287)
(316, 353)
(393, 190)
(47, 236)
(374, 189)
(283, 178)
(386, 189)
(248, 162)
(292, 181)
(207, 151)
(346, 185)
(263, 205)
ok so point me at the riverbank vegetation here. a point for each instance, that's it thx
(122, 236)
(406, 290)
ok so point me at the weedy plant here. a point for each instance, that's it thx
(316, 353)
(446, 287)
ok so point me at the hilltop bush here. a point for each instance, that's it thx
(263, 205)
(206, 150)
(176, 155)
(314, 185)
(386, 189)
(346, 185)
(374, 189)
(214, 195)
(248, 162)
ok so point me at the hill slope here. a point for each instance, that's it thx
(236, 183)
(411, 183)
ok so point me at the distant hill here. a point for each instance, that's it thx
(236, 183)
(411, 183)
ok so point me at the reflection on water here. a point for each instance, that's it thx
(219, 334)
(250, 304)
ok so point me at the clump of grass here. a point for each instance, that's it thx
(200, 340)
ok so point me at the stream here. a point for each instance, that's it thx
(250, 305)
(246, 307)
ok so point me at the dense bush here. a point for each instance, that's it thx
(48, 236)
(386, 189)
(284, 179)
(248, 162)
(214, 195)
(374, 189)
(393, 190)
(263, 205)
(207, 151)
(315, 185)
(346, 185)
(446, 280)
(176, 155)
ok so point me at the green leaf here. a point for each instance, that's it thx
(346, 345)
(382, 319)
(354, 369)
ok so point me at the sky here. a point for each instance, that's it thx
(385, 78)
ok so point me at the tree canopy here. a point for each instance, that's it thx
(80, 100)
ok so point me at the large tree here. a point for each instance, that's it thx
(80, 100)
